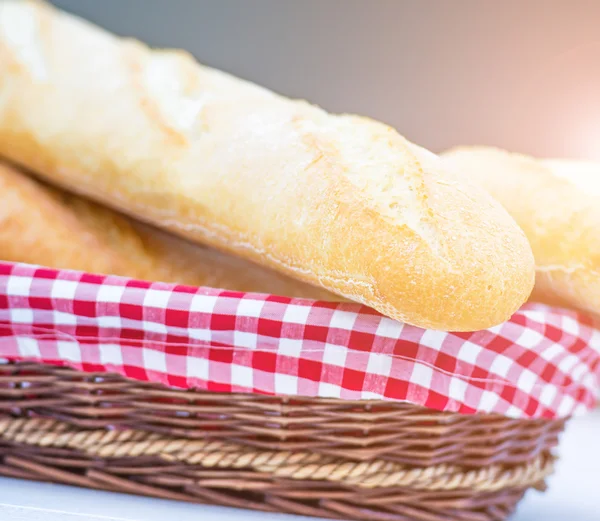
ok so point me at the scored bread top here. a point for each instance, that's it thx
(557, 203)
(339, 201)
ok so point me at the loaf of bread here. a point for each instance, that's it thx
(338, 201)
(41, 225)
(557, 203)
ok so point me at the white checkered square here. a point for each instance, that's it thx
(566, 406)
(111, 354)
(379, 364)
(432, 339)
(548, 395)
(469, 353)
(69, 351)
(109, 322)
(527, 380)
(250, 307)
(497, 330)
(290, 347)
(421, 375)
(21, 316)
(110, 293)
(327, 390)
(535, 315)
(244, 339)
(594, 340)
(64, 319)
(19, 286)
(389, 328)
(501, 365)
(242, 376)
(513, 412)
(578, 371)
(202, 334)
(203, 303)
(28, 347)
(369, 395)
(570, 326)
(197, 368)
(286, 384)
(64, 289)
(567, 363)
(591, 381)
(488, 401)
(157, 298)
(530, 338)
(552, 352)
(343, 319)
(154, 360)
(152, 326)
(457, 389)
(296, 314)
(335, 355)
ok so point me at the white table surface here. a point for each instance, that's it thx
(574, 494)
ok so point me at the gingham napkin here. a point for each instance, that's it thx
(544, 362)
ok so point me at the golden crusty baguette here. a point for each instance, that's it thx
(338, 201)
(42, 225)
(557, 203)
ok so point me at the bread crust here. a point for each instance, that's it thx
(338, 201)
(557, 203)
(49, 227)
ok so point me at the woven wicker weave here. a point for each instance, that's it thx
(321, 457)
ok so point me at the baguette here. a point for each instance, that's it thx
(557, 203)
(41, 225)
(339, 201)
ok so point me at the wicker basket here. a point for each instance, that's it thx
(313, 408)
(319, 457)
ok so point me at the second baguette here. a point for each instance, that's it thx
(557, 203)
(41, 225)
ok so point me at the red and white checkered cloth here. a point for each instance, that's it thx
(542, 363)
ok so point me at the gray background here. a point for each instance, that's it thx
(524, 75)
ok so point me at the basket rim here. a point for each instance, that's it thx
(317, 456)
